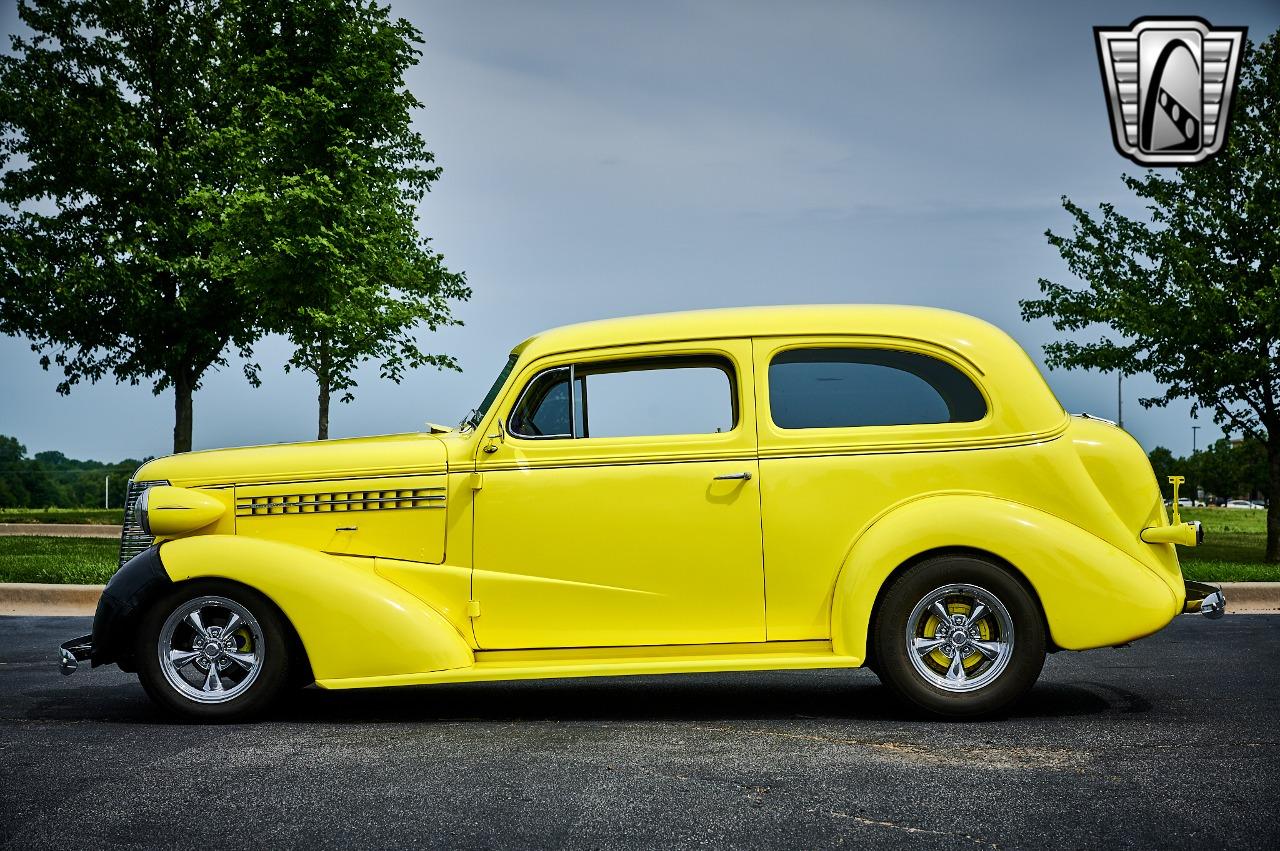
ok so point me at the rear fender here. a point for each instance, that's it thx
(1092, 594)
(352, 622)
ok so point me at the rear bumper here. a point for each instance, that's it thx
(1205, 599)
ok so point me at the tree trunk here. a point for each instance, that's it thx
(1273, 496)
(322, 431)
(183, 388)
(322, 378)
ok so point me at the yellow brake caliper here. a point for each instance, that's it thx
(931, 627)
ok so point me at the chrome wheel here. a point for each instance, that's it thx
(211, 649)
(960, 637)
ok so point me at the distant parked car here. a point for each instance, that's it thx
(1257, 503)
(1240, 503)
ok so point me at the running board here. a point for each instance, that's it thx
(493, 665)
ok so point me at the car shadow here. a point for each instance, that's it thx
(719, 697)
(847, 695)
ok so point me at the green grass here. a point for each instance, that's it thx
(86, 561)
(104, 516)
(1234, 543)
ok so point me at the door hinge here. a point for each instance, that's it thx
(473, 609)
(477, 481)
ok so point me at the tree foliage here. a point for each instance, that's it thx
(1191, 292)
(1224, 470)
(326, 225)
(110, 120)
(182, 176)
(52, 480)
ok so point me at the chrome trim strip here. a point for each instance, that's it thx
(273, 504)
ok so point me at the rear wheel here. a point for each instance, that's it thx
(213, 650)
(959, 636)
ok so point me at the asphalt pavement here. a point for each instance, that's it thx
(1172, 742)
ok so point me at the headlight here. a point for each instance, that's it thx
(163, 510)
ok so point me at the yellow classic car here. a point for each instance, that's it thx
(748, 489)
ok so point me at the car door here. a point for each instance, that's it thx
(619, 505)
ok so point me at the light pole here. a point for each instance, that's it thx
(1120, 399)
(1194, 429)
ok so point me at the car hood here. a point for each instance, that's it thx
(386, 455)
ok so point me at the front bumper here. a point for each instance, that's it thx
(131, 590)
(73, 652)
(1205, 599)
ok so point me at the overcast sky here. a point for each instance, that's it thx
(605, 159)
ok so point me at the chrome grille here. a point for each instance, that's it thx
(312, 503)
(132, 539)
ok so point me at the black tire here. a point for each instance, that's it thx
(275, 667)
(995, 682)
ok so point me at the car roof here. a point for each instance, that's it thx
(1027, 403)
(944, 327)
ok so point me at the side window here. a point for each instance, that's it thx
(543, 409)
(848, 387)
(635, 398)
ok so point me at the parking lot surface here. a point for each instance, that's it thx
(1172, 742)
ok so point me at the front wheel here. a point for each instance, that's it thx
(959, 636)
(213, 650)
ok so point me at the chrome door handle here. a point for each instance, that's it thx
(746, 477)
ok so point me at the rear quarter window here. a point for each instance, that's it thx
(852, 387)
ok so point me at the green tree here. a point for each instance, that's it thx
(1191, 294)
(110, 140)
(327, 224)
(1165, 465)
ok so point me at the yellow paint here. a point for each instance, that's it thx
(625, 555)
(179, 511)
(1176, 481)
(399, 517)
(353, 622)
(1182, 534)
(621, 661)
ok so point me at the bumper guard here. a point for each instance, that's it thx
(73, 652)
(1208, 600)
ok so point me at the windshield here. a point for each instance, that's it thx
(477, 414)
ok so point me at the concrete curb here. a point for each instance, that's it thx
(29, 598)
(25, 598)
(61, 530)
(1251, 597)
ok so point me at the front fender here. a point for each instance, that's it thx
(1092, 594)
(352, 622)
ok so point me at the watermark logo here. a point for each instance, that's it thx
(1168, 83)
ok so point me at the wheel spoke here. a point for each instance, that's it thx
(232, 624)
(990, 649)
(181, 658)
(979, 609)
(940, 609)
(213, 682)
(193, 621)
(244, 660)
(925, 646)
(955, 673)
